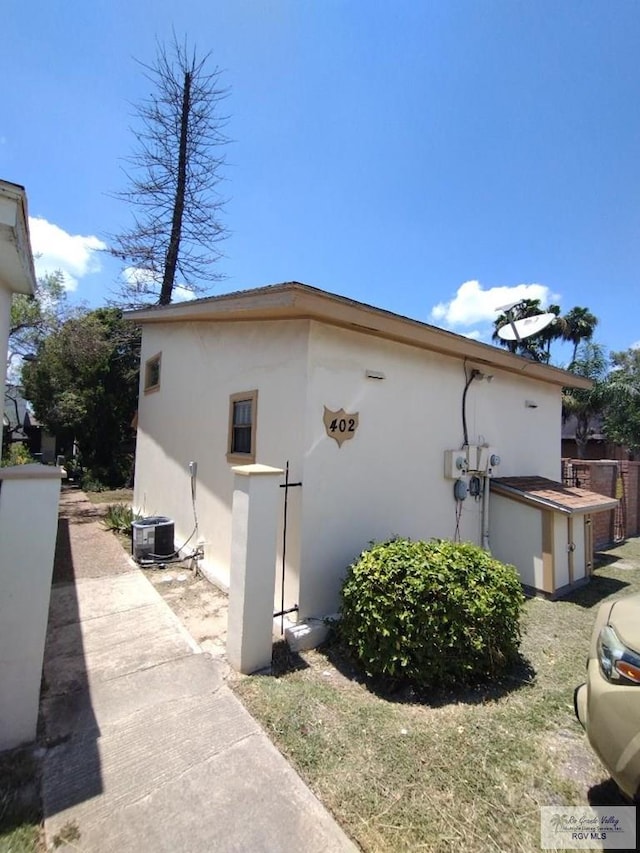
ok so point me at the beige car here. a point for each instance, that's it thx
(608, 704)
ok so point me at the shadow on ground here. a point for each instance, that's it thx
(284, 661)
(606, 793)
(67, 721)
(520, 675)
(597, 590)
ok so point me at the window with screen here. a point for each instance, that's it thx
(152, 373)
(242, 426)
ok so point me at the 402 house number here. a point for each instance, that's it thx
(340, 425)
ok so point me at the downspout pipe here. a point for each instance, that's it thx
(485, 513)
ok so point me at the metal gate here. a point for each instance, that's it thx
(287, 485)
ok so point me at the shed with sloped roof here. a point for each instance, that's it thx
(545, 529)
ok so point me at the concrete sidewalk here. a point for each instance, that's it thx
(147, 748)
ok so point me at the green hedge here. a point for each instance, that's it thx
(437, 613)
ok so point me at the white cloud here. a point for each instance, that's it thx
(140, 277)
(146, 278)
(54, 249)
(635, 346)
(181, 294)
(473, 304)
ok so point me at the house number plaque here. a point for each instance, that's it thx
(340, 425)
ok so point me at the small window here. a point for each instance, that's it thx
(242, 427)
(152, 373)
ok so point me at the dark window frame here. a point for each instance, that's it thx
(238, 430)
(152, 372)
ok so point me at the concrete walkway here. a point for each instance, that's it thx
(147, 748)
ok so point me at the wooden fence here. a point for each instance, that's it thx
(616, 479)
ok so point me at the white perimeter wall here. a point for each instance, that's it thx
(388, 480)
(187, 420)
(28, 497)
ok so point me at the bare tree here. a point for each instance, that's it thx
(34, 317)
(173, 180)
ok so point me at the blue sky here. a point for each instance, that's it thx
(430, 158)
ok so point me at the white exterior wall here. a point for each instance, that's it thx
(516, 537)
(5, 319)
(560, 552)
(579, 555)
(389, 479)
(187, 419)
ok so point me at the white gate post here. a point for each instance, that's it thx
(28, 525)
(254, 527)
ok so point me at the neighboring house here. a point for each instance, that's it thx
(597, 447)
(368, 408)
(13, 419)
(20, 424)
(16, 262)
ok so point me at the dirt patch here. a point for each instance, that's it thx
(573, 758)
(201, 607)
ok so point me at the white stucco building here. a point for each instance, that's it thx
(16, 262)
(363, 405)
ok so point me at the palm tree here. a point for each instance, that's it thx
(553, 332)
(537, 347)
(622, 417)
(586, 404)
(578, 327)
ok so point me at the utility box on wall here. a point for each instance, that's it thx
(544, 529)
(470, 459)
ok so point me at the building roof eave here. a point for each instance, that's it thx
(295, 301)
(17, 272)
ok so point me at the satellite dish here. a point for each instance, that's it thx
(506, 308)
(518, 330)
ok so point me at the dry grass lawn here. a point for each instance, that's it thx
(460, 770)
(111, 496)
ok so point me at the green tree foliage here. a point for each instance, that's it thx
(622, 416)
(536, 347)
(173, 177)
(576, 326)
(84, 379)
(586, 404)
(35, 317)
(32, 318)
(435, 613)
(17, 454)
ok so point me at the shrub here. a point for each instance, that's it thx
(17, 454)
(99, 478)
(73, 469)
(91, 482)
(119, 518)
(436, 613)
